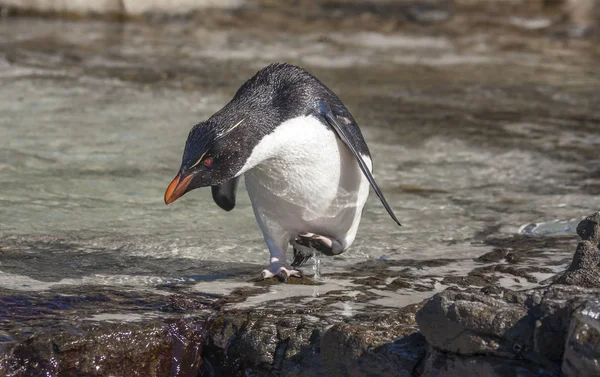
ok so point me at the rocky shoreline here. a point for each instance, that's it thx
(551, 330)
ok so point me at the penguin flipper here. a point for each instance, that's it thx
(325, 112)
(224, 194)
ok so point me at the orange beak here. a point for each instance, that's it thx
(177, 188)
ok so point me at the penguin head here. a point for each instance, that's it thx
(218, 149)
(212, 155)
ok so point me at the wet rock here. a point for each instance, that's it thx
(304, 343)
(399, 283)
(582, 353)
(263, 343)
(495, 255)
(525, 332)
(498, 255)
(410, 282)
(305, 280)
(466, 281)
(101, 331)
(371, 281)
(180, 303)
(552, 310)
(589, 228)
(439, 364)
(148, 349)
(585, 268)
(381, 346)
(470, 323)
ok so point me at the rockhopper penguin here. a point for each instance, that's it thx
(307, 167)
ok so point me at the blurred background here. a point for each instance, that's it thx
(482, 116)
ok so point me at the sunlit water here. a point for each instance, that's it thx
(470, 137)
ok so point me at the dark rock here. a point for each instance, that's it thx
(263, 343)
(471, 323)
(384, 346)
(582, 353)
(440, 364)
(589, 228)
(475, 331)
(346, 351)
(300, 343)
(584, 270)
(100, 331)
(552, 309)
(513, 258)
(419, 285)
(466, 281)
(495, 255)
(399, 283)
(99, 350)
(587, 256)
(180, 303)
(523, 272)
(305, 280)
(371, 281)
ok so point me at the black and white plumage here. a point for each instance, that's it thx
(307, 167)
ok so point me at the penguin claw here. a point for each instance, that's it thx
(266, 274)
(283, 272)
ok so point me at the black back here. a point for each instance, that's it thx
(280, 92)
(275, 94)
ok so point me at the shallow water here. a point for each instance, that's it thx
(472, 136)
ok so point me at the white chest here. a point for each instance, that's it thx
(302, 177)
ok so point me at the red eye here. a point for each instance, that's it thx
(208, 161)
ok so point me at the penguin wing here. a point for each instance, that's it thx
(348, 138)
(224, 194)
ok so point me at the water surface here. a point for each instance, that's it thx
(472, 136)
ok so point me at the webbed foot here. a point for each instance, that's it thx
(301, 254)
(282, 271)
(325, 245)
